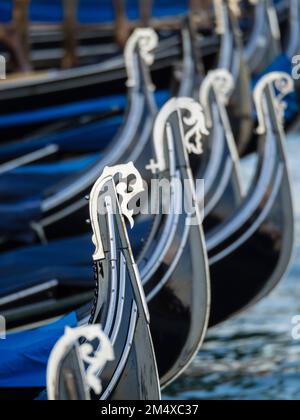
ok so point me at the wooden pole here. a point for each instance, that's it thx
(20, 38)
(122, 28)
(70, 38)
(146, 12)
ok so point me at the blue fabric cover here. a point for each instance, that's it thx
(32, 180)
(67, 260)
(90, 137)
(96, 106)
(91, 11)
(24, 356)
(59, 112)
(21, 192)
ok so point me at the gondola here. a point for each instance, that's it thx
(176, 241)
(119, 304)
(66, 114)
(220, 159)
(262, 229)
(241, 231)
(85, 76)
(128, 311)
(52, 84)
(195, 325)
(123, 148)
(88, 39)
(96, 36)
(201, 317)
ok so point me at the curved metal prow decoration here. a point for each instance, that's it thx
(146, 40)
(73, 364)
(282, 85)
(221, 82)
(125, 171)
(192, 138)
(69, 25)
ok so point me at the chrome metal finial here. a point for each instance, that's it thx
(146, 39)
(192, 137)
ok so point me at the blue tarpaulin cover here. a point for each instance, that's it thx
(67, 260)
(24, 356)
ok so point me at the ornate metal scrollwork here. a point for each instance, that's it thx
(222, 82)
(193, 136)
(282, 85)
(146, 39)
(126, 172)
(94, 360)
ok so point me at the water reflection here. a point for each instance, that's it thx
(254, 355)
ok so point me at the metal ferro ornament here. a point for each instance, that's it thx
(136, 186)
(222, 82)
(282, 85)
(193, 136)
(146, 39)
(94, 361)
